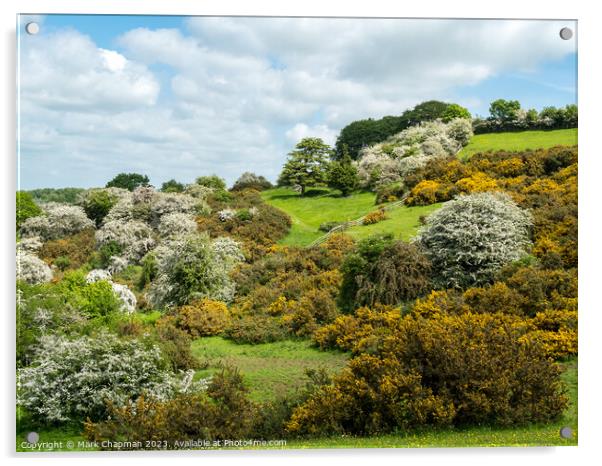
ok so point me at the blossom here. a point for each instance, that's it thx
(403, 153)
(74, 378)
(60, 220)
(204, 264)
(32, 269)
(134, 237)
(176, 224)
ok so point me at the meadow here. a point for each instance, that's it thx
(519, 140)
(272, 369)
(325, 205)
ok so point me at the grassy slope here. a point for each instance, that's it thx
(270, 369)
(316, 207)
(403, 223)
(520, 140)
(268, 355)
(310, 211)
(322, 205)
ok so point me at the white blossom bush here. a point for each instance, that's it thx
(392, 160)
(32, 269)
(98, 274)
(30, 244)
(58, 221)
(460, 129)
(376, 168)
(144, 195)
(226, 214)
(228, 251)
(176, 224)
(117, 264)
(122, 211)
(169, 203)
(134, 237)
(198, 191)
(126, 297)
(74, 379)
(470, 238)
(189, 268)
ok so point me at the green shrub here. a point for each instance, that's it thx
(357, 263)
(40, 309)
(341, 174)
(97, 203)
(389, 193)
(94, 300)
(401, 273)
(256, 329)
(172, 186)
(327, 226)
(213, 181)
(175, 345)
(26, 207)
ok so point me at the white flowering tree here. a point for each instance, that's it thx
(191, 267)
(58, 221)
(470, 238)
(403, 153)
(176, 224)
(32, 269)
(135, 238)
(71, 379)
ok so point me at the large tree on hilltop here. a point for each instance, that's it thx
(306, 165)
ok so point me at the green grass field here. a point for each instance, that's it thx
(270, 369)
(520, 140)
(403, 223)
(316, 207)
(323, 205)
(289, 371)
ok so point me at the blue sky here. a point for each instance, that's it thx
(179, 97)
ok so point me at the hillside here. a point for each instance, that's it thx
(519, 140)
(322, 205)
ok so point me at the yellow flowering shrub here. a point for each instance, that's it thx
(424, 193)
(358, 332)
(449, 370)
(375, 217)
(203, 318)
(477, 183)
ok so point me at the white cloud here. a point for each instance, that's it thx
(237, 93)
(67, 71)
(301, 130)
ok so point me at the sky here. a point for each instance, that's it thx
(180, 97)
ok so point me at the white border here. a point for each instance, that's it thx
(590, 170)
